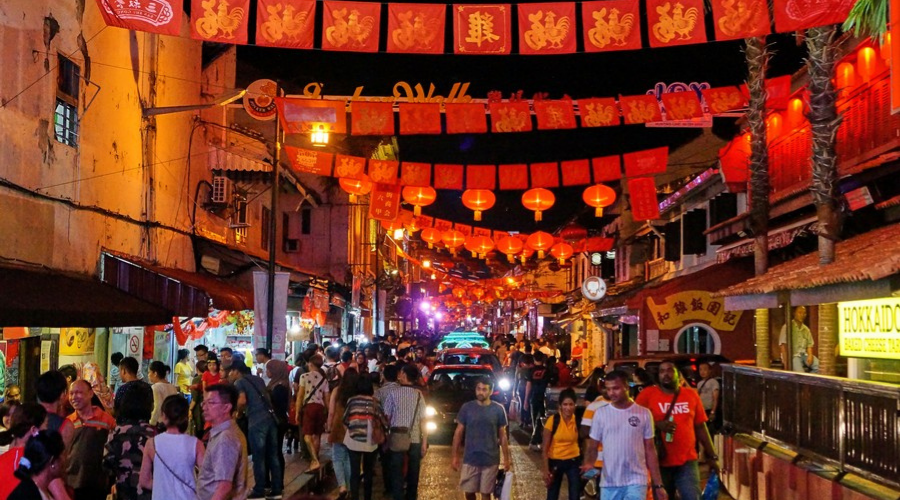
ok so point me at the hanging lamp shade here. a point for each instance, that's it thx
(419, 197)
(599, 196)
(526, 253)
(510, 246)
(483, 244)
(459, 292)
(478, 200)
(562, 251)
(538, 200)
(472, 246)
(477, 292)
(453, 239)
(540, 242)
(431, 236)
(355, 187)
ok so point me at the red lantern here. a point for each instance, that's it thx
(540, 242)
(526, 254)
(431, 236)
(459, 292)
(538, 200)
(483, 245)
(599, 196)
(355, 187)
(562, 251)
(471, 245)
(478, 292)
(419, 197)
(453, 239)
(510, 246)
(478, 200)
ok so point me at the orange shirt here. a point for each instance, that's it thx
(688, 412)
(100, 420)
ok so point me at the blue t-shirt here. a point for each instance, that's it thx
(483, 423)
(257, 407)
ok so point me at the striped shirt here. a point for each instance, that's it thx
(400, 406)
(361, 414)
(622, 433)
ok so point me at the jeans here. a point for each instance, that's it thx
(571, 469)
(264, 445)
(524, 415)
(537, 413)
(395, 472)
(682, 478)
(340, 458)
(367, 469)
(634, 492)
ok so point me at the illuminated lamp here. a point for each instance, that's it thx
(540, 242)
(453, 239)
(538, 200)
(886, 48)
(866, 63)
(472, 246)
(562, 251)
(599, 196)
(319, 137)
(478, 292)
(483, 244)
(773, 126)
(510, 246)
(431, 236)
(526, 254)
(426, 264)
(845, 76)
(459, 292)
(795, 113)
(355, 187)
(478, 200)
(419, 197)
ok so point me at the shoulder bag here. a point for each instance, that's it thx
(658, 438)
(400, 439)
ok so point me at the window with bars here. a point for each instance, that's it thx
(65, 117)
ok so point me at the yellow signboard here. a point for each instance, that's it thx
(76, 341)
(683, 308)
(870, 328)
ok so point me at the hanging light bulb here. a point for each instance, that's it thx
(319, 137)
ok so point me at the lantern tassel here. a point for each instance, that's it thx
(537, 216)
(512, 260)
(430, 245)
(352, 198)
(417, 210)
(598, 212)
(562, 261)
(540, 254)
(478, 215)
(474, 255)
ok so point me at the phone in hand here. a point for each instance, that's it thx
(591, 474)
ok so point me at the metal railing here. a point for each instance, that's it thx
(853, 425)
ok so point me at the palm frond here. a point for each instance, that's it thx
(868, 18)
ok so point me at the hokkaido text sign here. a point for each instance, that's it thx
(870, 328)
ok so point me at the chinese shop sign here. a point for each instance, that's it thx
(385, 203)
(693, 306)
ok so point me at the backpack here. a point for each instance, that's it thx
(333, 376)
(555, 425)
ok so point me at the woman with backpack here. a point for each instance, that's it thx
(340, 454)
(366, 425)
(561, 453)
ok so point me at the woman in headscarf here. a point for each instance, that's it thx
(279, 388)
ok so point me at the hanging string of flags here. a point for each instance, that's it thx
(542, 28)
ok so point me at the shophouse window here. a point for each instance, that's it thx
(65, 117)
(306, 221)
(722, 208)
(694, 241)
(672, 233)
(265, 222)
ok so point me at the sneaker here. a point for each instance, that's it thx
(534, 447)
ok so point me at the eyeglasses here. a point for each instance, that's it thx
(205, 403)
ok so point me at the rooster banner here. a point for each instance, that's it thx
(372, 118)
(547, 28)
(383, 171)
(640, 109)
(724, 99)
(482, 29)
(351, 26)
(285, 23)
(415, 174)
(796, 15)
(611, 25)
(735, 19)
(552, 115)
(350, 167)
(152, 16)
(416, 28)
(418, 118)
(449, 176)
(642, 192)
(467, 118)
(599, 112)
(223, 21)
(647, 162)
(675, 22)
(513, 116)
(682, 105)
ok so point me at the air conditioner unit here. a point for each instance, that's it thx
(292, 246)
(240, 217)
(221, 190)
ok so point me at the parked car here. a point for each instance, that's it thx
(473, 356)
(449, 387)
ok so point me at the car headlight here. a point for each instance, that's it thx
(430, 411)
(430, 426)
(504, 384)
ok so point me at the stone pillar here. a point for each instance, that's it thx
(828, 339)
(763, 341)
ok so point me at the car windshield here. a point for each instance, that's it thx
(465, 358)
(456, 380)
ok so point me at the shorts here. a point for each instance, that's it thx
(313, 419)
(473, 479)
(633, 492)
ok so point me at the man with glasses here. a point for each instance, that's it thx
(223, 474)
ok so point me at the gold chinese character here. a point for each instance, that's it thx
(481, 28)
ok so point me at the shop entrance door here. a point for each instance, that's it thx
(697, 339)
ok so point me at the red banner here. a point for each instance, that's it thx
(553, 115)
(545, 175)
(464, 229)
(302, 116)
(481, 177)
(514, 176)
(724, 99)
(285, 23)
(351, 167)
(510, 116)
(372, 118)
(576, 173)
(482, 29)
(154, 16)
(468, 118)
(383, 171)
(640, 109)
(611, 25)
(678, 22)
(647, 162)
(599, 112)
(418, 118)
(385, 202)
(644, 205)
(415, 28)
(682, 105)
(308, 161)
(448, 177)
(796, 15)
(547, 28)
(415, 174)
(223, 21)
(351, 26)
(740, 19)
(606, 168)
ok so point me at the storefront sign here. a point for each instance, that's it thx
(683, 308)
(161, 347)
(870, 328)
(76, 341)
(46, 347)
(593, 288)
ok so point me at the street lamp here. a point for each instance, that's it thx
(319, 137)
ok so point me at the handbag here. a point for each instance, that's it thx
(658, 439)
(400, 439)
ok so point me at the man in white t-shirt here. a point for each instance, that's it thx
(626, 432)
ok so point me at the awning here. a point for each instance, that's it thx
(186, 293)
(778, 238)
(46, 298)
(736, 225)
(222, 159)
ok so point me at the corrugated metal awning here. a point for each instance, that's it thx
(222, 159)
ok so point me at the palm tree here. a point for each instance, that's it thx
(868, 18)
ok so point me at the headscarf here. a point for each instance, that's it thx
(279, 371)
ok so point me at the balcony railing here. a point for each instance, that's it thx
(850, 424)
(655, 268)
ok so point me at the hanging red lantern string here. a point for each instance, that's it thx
(478, 200)
(419, 197)
(599, 196)
(355, 187)
(453, 239)
(472, 246)
(540, 242)
(538, 200)
(484, 245)
(562, 251)
(510, 246)
(431, 236)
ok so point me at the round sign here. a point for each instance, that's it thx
(259, 101)
(593, 288)
(596, 258)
